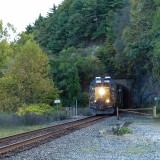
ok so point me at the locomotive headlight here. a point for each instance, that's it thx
(108, 101)
(101, 91)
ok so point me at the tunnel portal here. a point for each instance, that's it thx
(128, 91)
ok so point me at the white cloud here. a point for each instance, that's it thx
(21, 13)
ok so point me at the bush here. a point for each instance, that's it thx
(84, 111)
(61, 116)
(14, 120)
(121, 129)
(40, 113)
(33, 119)
(35, 114)
(83, 99)
(38, 109)
(9, 120)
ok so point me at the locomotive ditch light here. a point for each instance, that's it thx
(102, 91)
(108, 101)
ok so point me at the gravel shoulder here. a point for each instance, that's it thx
(97, 142)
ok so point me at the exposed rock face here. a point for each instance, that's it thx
(146, 89)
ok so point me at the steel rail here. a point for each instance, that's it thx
(23, 144)
(29, 133)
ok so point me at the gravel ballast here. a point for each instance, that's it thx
(97, 142)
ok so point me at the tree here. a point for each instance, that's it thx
(6, 50)
(6, 55)
(6, 31)
(156, 40)
(26, 81)
(73, 70)
(138, 37)
(75, 23)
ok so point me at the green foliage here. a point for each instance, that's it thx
(121, 130)
(138, 37)
(26, 80)
(8, 120)
(156, 60)
(106, 54)
(156, 40)
(141, 54)
(6, 31)
(83, 99)
(32, 119)
(75, 23)
(66, 32)
(39, 109)
(61, 115)
(6, 55)
(73, 71)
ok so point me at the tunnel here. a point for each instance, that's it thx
(126, 96)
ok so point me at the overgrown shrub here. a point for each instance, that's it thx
(40, 113)
(83, 99)
(84, 111)
(121, 129)
(11, 120)
(33, 119)
(38, 109)
(61, 115)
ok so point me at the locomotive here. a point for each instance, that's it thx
(105, 96)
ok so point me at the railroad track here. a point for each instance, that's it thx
(27, 140)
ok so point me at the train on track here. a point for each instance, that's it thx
(105, 96)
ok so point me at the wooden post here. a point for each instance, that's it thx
(154, 112)
(117, 113)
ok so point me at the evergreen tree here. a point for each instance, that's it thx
(76, 23)
(138, 38)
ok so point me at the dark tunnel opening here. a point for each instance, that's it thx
(127, 98)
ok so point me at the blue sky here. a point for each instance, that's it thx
(20, 13)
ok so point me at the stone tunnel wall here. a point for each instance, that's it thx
(128, 83)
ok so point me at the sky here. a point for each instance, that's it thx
(21, 13)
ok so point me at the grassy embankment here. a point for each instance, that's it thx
(14, 124)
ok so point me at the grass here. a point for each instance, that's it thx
(8, 131)
(156, 121)
(129, 151)
(95, 145)
(120, 130)
(134, 151)
(11, 124)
